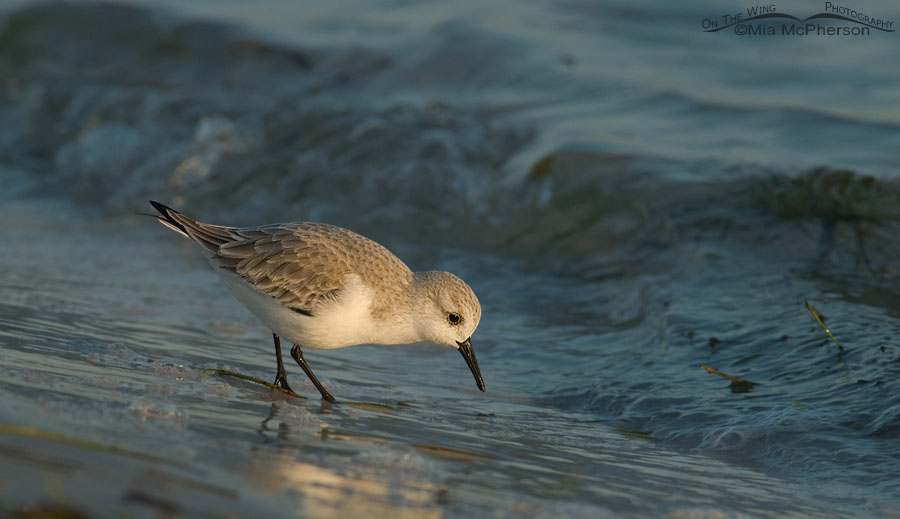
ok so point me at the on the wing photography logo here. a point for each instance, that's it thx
(765, 20)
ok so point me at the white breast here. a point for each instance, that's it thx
(344, 322)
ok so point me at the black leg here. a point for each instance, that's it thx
(298, 356)
(281, 376)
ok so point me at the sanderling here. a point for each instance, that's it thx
(321, 287)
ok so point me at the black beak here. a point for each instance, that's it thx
(465, 347)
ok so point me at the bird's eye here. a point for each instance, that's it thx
(454, 318)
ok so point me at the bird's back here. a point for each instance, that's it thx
(304, 265)
(301, 265)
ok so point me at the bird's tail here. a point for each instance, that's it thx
(208, 236)
(165, 218)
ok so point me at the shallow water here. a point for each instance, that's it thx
(629, 197)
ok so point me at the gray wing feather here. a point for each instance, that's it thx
(301, 265)
(292, 263)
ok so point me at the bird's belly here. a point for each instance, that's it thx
(344, 322)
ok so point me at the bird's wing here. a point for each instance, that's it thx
(294, 263)
(301, 265)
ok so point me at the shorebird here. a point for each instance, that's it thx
(321, 286)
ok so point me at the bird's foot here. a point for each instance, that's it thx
(281, 381)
